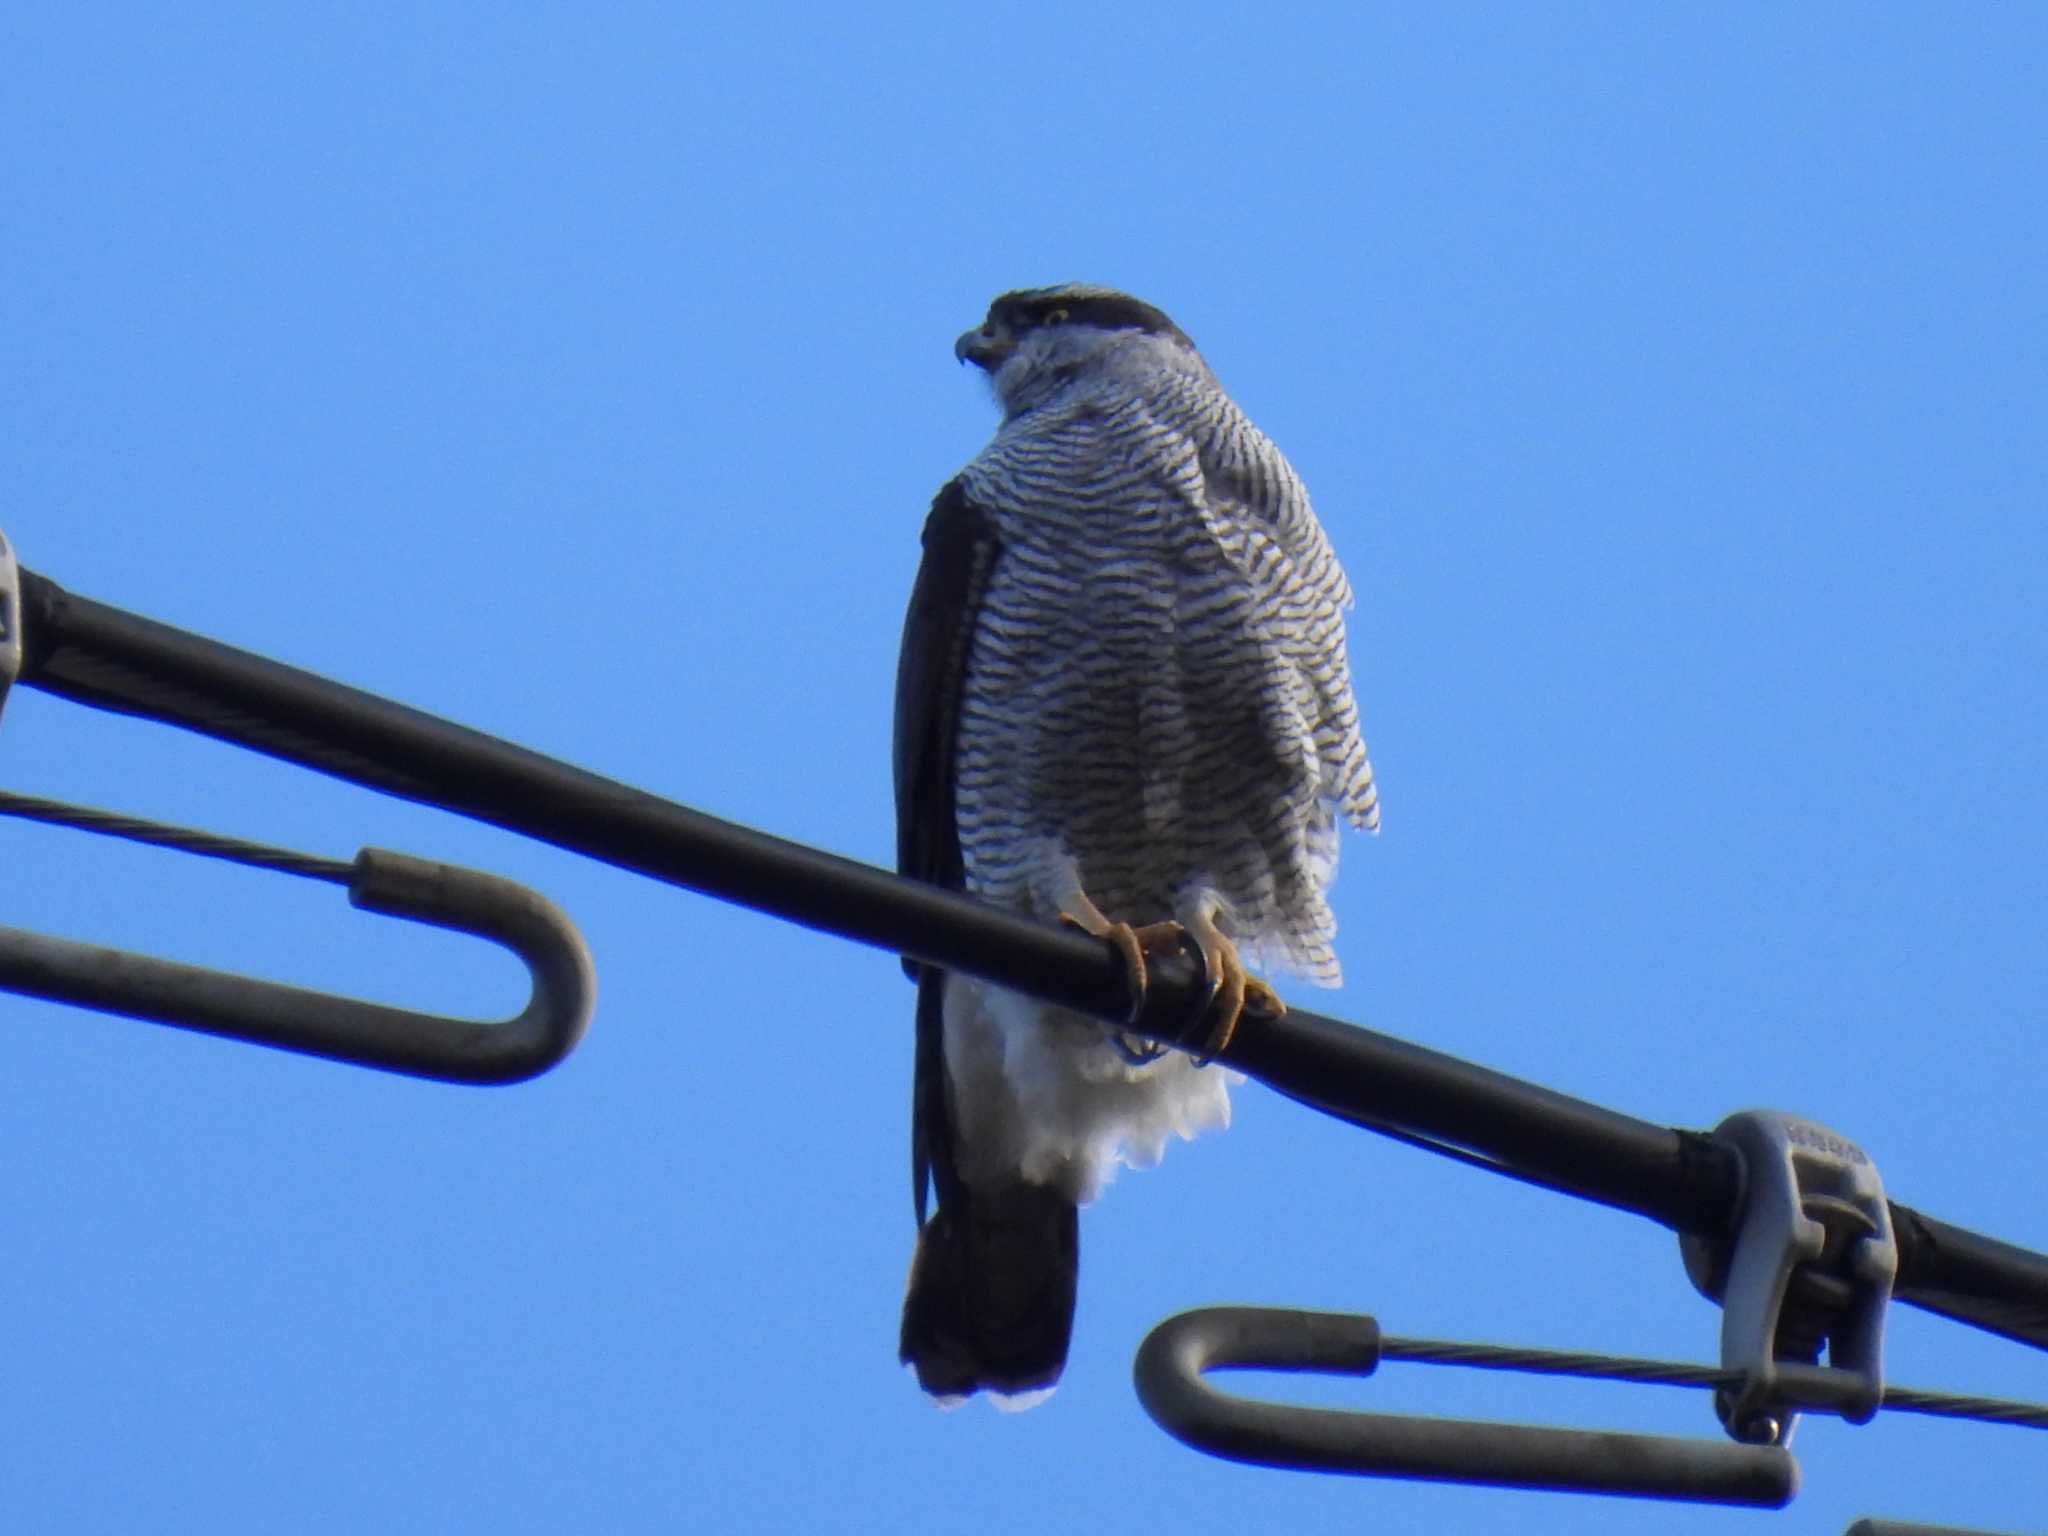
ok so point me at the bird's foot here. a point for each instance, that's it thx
(1233, 991)
(1137, 946)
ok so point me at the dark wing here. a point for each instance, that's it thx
(959, 551)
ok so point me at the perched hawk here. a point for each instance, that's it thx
(1123, 699)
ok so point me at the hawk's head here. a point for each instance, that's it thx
(1034, 337)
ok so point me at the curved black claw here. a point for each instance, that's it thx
(1230, 991)
(1136, 1050)
(1137, 946)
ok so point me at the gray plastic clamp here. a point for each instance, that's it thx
(10, 619)
(1812, 1259)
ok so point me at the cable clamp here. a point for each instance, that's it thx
(10, 619)
(1809, 1262)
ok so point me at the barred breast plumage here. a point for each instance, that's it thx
(1125, 699)
(1158, 680)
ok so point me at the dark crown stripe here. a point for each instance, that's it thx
(1105, 311)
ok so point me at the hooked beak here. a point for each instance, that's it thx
(986, 348)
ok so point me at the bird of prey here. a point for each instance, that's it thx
(1123, 702)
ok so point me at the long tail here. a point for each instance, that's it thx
(991, 1298)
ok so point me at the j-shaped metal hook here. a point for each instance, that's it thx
(344, 1028)
(1174, 1355)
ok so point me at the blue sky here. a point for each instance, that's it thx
(1672, 387)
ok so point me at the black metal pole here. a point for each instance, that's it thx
(120, 661)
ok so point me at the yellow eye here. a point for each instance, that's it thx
(1055, 317)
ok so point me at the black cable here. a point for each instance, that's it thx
(1687, 1180)
(159, 834)
(1672, 1373)
(1438, 1147)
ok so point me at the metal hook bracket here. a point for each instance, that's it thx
(1810, 1261)
(344, 1028)
(1169, 1377)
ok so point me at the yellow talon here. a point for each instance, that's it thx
(1233, 990)
(1236, 989)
